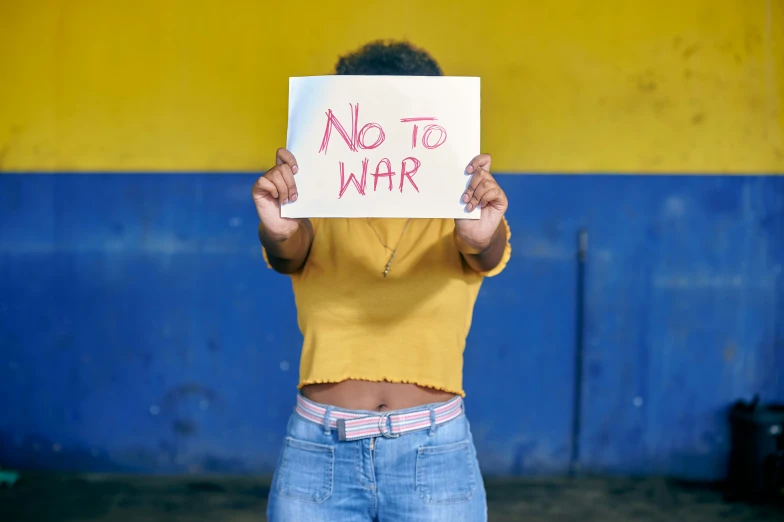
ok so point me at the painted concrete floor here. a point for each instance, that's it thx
(117, 498)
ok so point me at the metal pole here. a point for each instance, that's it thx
(577, 401)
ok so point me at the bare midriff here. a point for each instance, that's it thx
(374, 396)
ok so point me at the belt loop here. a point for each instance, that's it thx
(327, 415)
(432, 420)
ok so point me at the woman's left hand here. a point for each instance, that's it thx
(483, 192)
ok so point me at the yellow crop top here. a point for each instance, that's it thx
(408, 327)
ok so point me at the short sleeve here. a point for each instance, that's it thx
(507, 254)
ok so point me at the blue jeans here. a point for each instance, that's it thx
(424, 476)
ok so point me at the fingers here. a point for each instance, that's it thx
(492, 195)
(283, 178)
(484, 186)
(284, 157)
(482, 191)
(476, 179)
(278, 182)
(482, 161)
(264, 185)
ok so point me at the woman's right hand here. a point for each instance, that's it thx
(274, 189)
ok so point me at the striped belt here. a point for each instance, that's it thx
(391, 424)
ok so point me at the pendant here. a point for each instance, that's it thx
(389, 263)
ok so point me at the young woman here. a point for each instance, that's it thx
(379, 430)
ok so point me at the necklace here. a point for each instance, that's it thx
(394, 251)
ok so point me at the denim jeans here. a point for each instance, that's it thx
(424, 476)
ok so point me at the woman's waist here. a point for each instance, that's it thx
(364, 395)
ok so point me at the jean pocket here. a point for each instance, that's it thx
(445, 474)
(306, 471)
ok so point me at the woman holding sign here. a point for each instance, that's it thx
(379, 430)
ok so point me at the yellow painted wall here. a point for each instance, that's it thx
(575, 85)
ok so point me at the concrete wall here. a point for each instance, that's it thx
(569, 86)
(139, 329)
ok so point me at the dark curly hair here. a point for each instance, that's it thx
(388, 58)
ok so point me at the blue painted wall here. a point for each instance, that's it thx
(140, 330)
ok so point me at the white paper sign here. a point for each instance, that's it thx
(382, 146)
